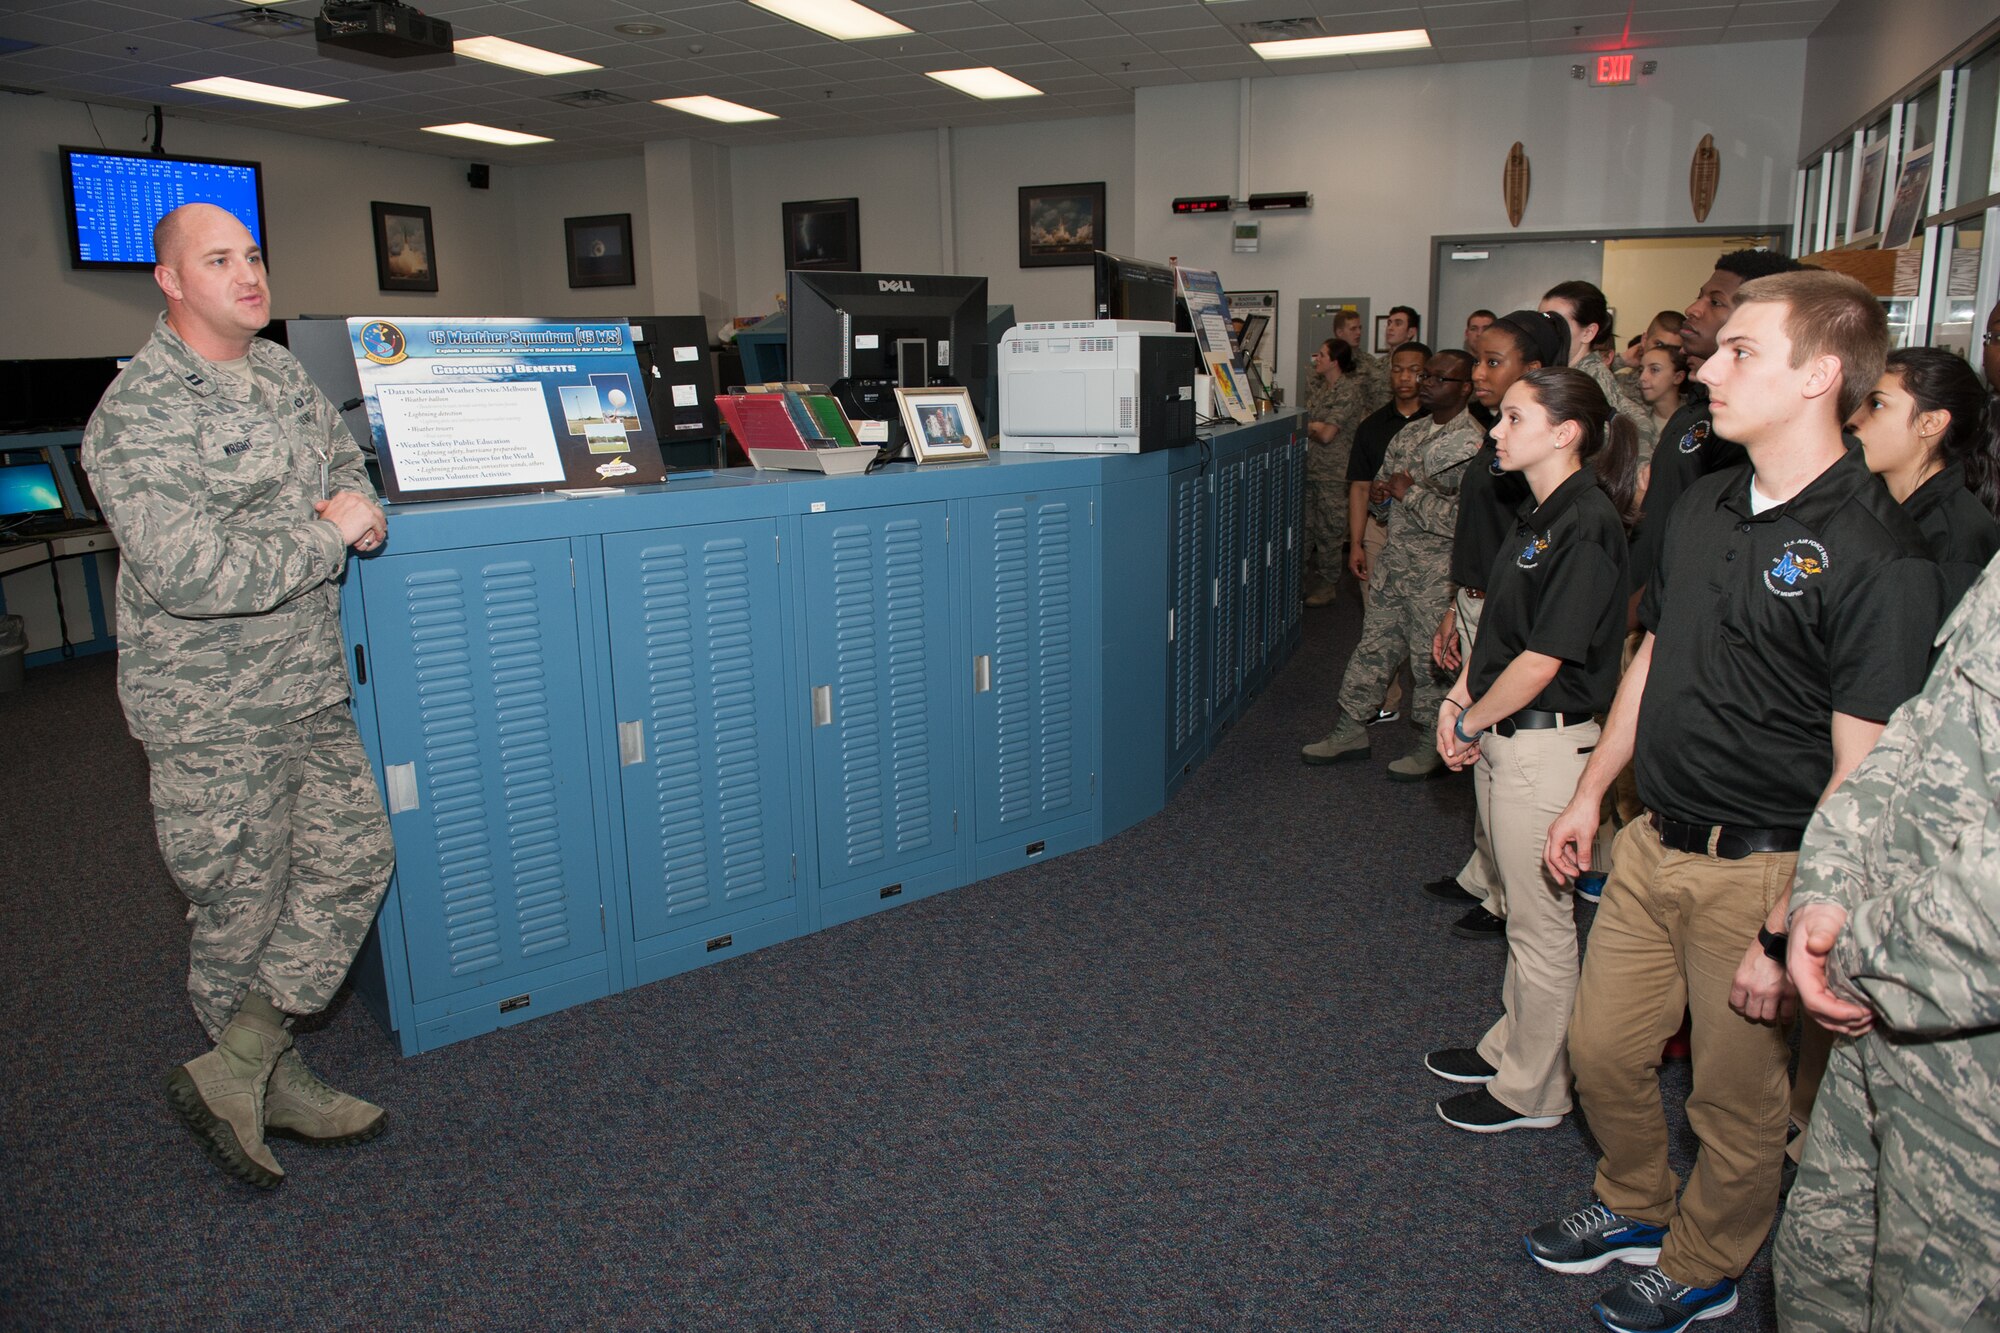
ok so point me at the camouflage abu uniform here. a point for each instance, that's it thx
(1411, 582)
(1344, 406)
(230, 664)
(1894, 1222)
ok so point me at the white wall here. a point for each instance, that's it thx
(990, 165)
(895, 176)
(1395, 156)
(543, 197)
(1866, 51)
(316, 193)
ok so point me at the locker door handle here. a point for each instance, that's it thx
(402, 791)
(982, 673)
(822, 699)
(631, 744)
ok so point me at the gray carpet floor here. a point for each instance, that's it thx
(1173, 1081)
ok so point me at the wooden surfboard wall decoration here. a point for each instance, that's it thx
(1514, 184)
(1704, 177)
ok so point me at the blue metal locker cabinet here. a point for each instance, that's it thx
(1256, 534)
(1226, 613)
(474, 663)
(1272, 589)
(1189, 584)
(697, 665)
(881, 678)
(1291, 594)
(1033, 675)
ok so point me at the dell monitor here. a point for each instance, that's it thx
(1134, 289)
(910, 330)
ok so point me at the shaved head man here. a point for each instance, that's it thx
(236, 494)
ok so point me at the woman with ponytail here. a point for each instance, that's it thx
(1925, 430)
(1524, 711)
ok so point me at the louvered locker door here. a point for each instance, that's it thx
(1226, 611)
(475, 664)
(1294, 454)
(880, 674)
(1187, 620)
(697, 682)
(1275, 462)
(1033, 649)
(1256, 525)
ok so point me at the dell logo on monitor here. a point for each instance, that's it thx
(897, 285)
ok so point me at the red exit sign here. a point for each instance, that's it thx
(1612, 70)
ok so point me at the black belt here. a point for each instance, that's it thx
(1534, 719)
(1732, 842)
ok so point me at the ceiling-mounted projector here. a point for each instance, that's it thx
(383, 28)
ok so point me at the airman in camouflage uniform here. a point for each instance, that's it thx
(235, 491)
(1410, 585)
(1332, 411)
(1894, 1222)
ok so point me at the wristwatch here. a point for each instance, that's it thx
(1774, 944)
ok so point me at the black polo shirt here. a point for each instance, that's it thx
(1557, 587)
(1688, 450)
(1766, 626)
(1961, 533)
(1371, 441)
(1487, 500)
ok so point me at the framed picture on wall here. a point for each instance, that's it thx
(1061, 225)
(1381, 335)
(405, 249)
(823, 234)
(599, 250)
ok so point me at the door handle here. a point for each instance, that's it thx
(822, 704)
(402, 793)
(982, 673)
(631, 744)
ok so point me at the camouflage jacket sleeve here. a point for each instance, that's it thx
(199, 523)
(1433, 501)
(1909, 845)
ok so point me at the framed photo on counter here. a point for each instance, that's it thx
(942, 426)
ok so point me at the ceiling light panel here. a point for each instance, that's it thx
(986, 83)
(715, 108)
(1361, 43)
(268, 93)
(466, 129)
(842, 19)
(516, 55)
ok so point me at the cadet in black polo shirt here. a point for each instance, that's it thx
(1524, 709)
(1511, 346)
(1689, 447)
(1792, 609)
(1923, 430)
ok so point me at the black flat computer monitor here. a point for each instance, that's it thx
(910, 329)
(29, 490)
(1134, 289)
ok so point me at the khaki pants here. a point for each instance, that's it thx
(1373, 537)
(1621, 803)
(1669, 936)
(1480, 875)
(1523, 782)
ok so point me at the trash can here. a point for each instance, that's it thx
(13, 653)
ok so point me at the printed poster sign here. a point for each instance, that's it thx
(480, 407)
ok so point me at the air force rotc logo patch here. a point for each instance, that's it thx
(1532, 552)
(1801, 561)
(1694, 437)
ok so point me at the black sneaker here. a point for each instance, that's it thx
(1480, 924)
(1652, 1302)
(1592, 1238)
(1480, 1112)
(1385, 715)
(1449, 890)
(1460, 1064)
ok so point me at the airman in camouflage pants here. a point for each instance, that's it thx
(235, 492)
(1894, 1222)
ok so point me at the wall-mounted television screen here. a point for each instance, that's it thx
(115, 198)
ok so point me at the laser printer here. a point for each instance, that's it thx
(1096, 386)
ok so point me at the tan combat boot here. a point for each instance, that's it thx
(1422, 763)
(1347, 740)
(220, 1096)
(298, 1106)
